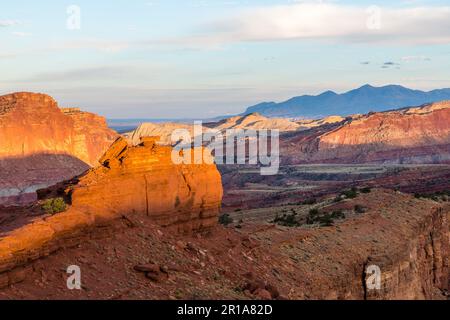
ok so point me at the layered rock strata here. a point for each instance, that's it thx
(41, 144)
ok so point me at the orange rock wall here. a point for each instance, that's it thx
(41, 144)
(143, 180)
(33, 123)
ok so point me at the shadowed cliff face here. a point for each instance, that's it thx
(20, 177)
(41, 144)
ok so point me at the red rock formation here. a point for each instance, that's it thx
(133, 182)
(415, 135)
(144, 180)
(41, 144)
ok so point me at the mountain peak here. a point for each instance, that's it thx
(361, 100)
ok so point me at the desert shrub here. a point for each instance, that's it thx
(338, 215)
(309, 201)
(55, 205)
(225, 219)
(312, 216)
(360, 209)
(286, 220)
(436, 196)
(324, 219)
(366, 190)
(350, 194)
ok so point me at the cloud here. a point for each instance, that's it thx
(9, 23)
(328, 22)
(415, 58)
(22, 34)
(88, 73)
(389, 64)
(103, 46)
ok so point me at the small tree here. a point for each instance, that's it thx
(55, 205)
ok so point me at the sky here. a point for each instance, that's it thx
(204, 58)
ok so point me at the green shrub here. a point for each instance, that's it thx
(350, 194)
(225, 219)
(324, 219)
(366, 190)
(55, 205)
(286, 220)
(338, 215)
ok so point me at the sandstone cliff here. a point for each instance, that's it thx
(132, 183)
(41, 144)
(413, 135)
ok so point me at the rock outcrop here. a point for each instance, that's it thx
(162, 130)
(41, 144)
(132, 183)
(413, 135)
(144, 180)
(255, 121)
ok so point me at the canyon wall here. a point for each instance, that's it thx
(41, 144)
(413, 135)
(406, 238)
(131, 183)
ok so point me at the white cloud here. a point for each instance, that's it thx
(330, 22)
(9, 23)
(415, 58)
(22, 34)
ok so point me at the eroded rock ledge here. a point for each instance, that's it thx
(132, 182)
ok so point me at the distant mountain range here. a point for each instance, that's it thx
(362, 100)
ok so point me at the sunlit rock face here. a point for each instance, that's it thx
(411, 135)
(41, 144)
(144, 180)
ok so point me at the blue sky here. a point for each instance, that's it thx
(198, 59)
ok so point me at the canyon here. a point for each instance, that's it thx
(353, 192)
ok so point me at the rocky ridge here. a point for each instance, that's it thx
(412, 135)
